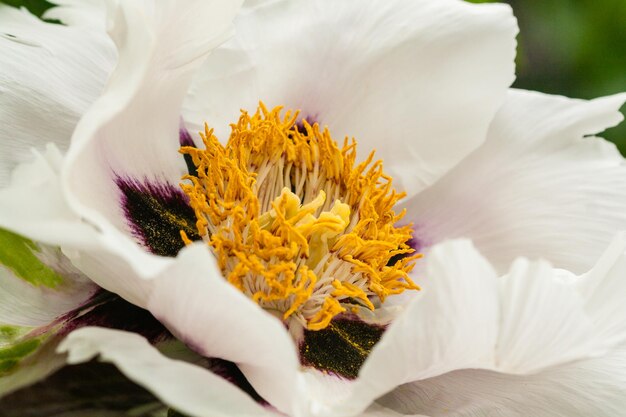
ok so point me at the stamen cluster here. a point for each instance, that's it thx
(294, 222)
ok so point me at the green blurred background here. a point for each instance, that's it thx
(575, 48)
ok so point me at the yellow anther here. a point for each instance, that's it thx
(322, 318)
(294, 222)
(351, 291)
(185, 239)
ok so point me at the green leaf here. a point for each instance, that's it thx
(9, 334)
(13, 354)
(7, 366)
(18, 254)
(19, 350)
(36, 7)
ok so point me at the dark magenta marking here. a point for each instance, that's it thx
(311, 120)
(186, 140)
(101, 387)
(110, 311)
(156, 213)
(184, 136)
(231, 372)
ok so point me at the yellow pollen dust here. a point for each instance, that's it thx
(294, 222)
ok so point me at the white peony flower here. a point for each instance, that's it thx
(282, 257)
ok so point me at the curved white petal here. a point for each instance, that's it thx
(603, 288)
(185, 387)
(565, 333)
(327, 394)
(543, 321)
(50, 75)
(537, 188)
(194, 300)
(33, 204)
(452, 324)
(424, 78)
(377, 410)
(153, 282)
(530, 321)
(132, 129)
(23, 304)
(190, 296)
(550, 317)
(593, 387)
(107, 266)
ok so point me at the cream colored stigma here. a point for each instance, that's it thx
(294, 222)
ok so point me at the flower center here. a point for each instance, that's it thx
(295, 223)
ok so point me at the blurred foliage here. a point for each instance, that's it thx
(577, 49)
(573, 48)
(36, 7)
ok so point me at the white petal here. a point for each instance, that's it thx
(33, 204)
(537, 188)
(166, 58)
(377, 410)
(451, 325)
(530, 321)
(185, 387)
(108, 267)
(594, 387)
(150, 281)
(424, 78)
(543, 321)
(565, 333)
(251, 4)
(22, 304)
(550, 317)
(50, 75)
(324, 393)
(132, 129)
(194, 300)
(191, 297)
(603, 289)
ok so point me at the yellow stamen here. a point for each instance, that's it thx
(294, 222)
